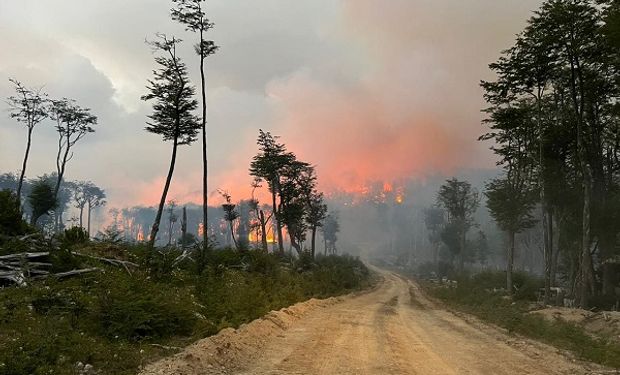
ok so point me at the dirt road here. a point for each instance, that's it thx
(393, 329)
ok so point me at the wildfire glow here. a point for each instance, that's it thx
(256, 238)
(201, 230)
(140, 235)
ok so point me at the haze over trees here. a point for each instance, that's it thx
(460, 202)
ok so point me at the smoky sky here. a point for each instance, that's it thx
(366, 90)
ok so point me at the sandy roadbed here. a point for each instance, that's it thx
(392, 329)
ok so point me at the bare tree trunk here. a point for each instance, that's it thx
(23, 173)
(463, 241)
(81, 217)
(61, 164)
(205, 192)
(313, 242)
(324, 244)
(162, 202)
(436, 257)
(547, 250)
(184, 227)
(90, 209)
(556, 255)
(278, 224)
(586, 257)
(606, 247)
(263, 228)
(295, 245)
(510, 263)
(232, 234)
(169, 232)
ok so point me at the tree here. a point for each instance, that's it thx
(296, 186)
(460, 201)
(260, 214)
(269, 165)
(172, 219)
(172, 116)
(72, 124)
(510, 202)
(191, 14)
(87, 195)
(317, 212)
(434, 220)
(9, 181)
(230, 215)
(482, 248)
(184, 227)
(41, 199)
(29, 108)
(80, 199)
(563, 72)
(11, 222)
(330, 230)
(95, 197)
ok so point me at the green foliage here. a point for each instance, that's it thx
(138, 309)
(63, 260)
(173, 96)
(11, 223)
(109, 318)
(74, 236)
(510, 202)
(160, 262)
(41, 199)
(111, 235)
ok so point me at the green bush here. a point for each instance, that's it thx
(262, 262)
(160, 262)
(11, 222)
(63, 260)
(74, 236)
(109, 318)
(138, 309)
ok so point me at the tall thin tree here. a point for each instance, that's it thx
(191, 14)
(72, 124)
(29, 108)
(173, 107)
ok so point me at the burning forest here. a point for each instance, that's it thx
(215, 187)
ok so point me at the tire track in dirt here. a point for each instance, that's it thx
(393, 329)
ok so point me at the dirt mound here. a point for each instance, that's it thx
(604, 324)
(232, 348)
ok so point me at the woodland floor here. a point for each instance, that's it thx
(392, 329)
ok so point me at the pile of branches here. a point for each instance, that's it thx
(35, 262)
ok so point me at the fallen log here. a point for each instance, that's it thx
(114, 262)
(62, 275)
(25, 255)
(15, 276)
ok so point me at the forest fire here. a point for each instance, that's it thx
(376, 192)
(255, 237)
(140, 234)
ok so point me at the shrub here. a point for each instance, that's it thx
(11, 222)
(137, 309)
(74, 236)
(62, 260)
(160, 262)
